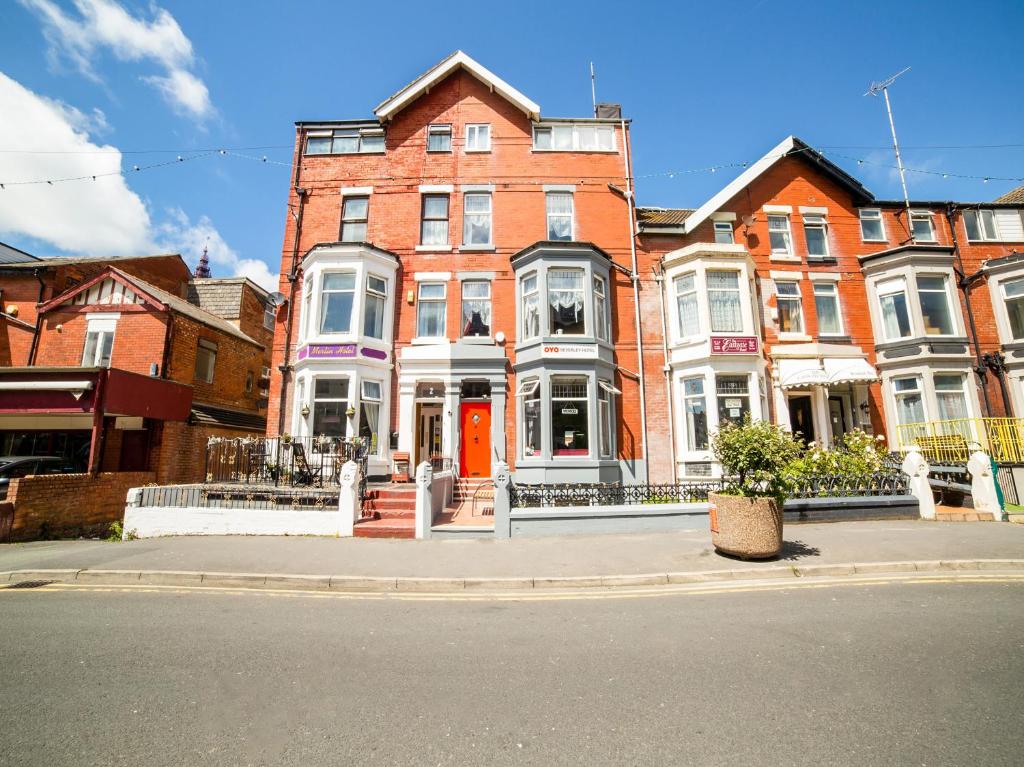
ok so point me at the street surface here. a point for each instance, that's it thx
(893, 673)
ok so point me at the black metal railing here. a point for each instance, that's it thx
(239, 497)
(881, 483)
(284, 462)
(579, 494)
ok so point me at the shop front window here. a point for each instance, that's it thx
(529, 394)
(369, 415)
(733, 398)
(565, 302)
(569, 417)
(696, 411)
(330, 401)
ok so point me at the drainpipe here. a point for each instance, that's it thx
(635, 277)
(962, 283)
(659, 277)
(285, 366)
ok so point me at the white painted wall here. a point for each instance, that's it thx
(155, 521)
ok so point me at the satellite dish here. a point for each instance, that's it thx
(277, 298)
(749, 219)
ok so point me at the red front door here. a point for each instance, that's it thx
(475, 440)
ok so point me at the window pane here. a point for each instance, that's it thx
(971, 224)
(353, 232)
(372, 143)
(373, 316)
(562, 137)
(344, 144)
(790, 310)
(569, 417)
(355, 208)
(696, 414)
(435, 206)
(778, 234)
(723, 233)
(826, 304)
(606, 138)
(988, 224)
(478, 203)
(435, 233)
(922, 228)
(439, 139)
(895, 318)
(318, 145)
(542, 138)
(601, 308)
(565, 302)
(329, 419)
(476, 309)
(476, 290)
(871, 226)
(604, 416)
(339, 281)
(559, 228)
(733, 398)
(531, 423)
(816, 241)
(369, 425)
(724, 302)
(336, 316)
(531, 312)
(431, 319)
(107, 346)
(934, 305)
(1015, 308)
(432, 290)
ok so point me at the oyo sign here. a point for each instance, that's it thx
(570, 351)
(733, 345)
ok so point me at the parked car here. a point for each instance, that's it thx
(15, 466)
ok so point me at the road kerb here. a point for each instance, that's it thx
(19, 576)
(111, 577)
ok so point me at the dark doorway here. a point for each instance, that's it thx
(801, 418)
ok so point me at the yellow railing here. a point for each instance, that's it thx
(1001, 438)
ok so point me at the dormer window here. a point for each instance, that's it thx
(574, 137)
(345, 141)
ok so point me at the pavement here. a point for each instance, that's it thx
(896, 673)
(843, 548)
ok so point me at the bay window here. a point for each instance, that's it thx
(354, 212)
(909, 403)
(826, 305)
(686, 304)
(560, 215)
(530, 296)
(476, 308)
(566, 302)
(733, 394)
(779, 235)
(330, 403)
(369, 414)
(696, 413)
(816, 235)
(892, 298)
(934, 298)
(477, 219)
(872, 228)
(791, 315)
(1013, 297)
(434, 225)
(336, 297)
(430, 310)
(601, 309)
(529, 395)
(569, 416)
(724, 302)
(373, 312)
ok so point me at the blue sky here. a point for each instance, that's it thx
(705, 84)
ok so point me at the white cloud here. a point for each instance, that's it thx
(101, 217)
(106, 25)
(180, 235)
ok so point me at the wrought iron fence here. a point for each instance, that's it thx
(236, 497)
(284, 462)
(880, 483)
(580, 494)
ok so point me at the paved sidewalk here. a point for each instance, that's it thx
(579, 556)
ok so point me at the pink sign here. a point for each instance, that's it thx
(731, 345)
(327, 351)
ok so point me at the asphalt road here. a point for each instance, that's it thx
(893, 674)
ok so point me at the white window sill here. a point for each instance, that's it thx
(481, 340)
(794, 337)
(480, 248)
(478, 151)
(784, 257)
(430, 341)
(881, 241)
(433, 248)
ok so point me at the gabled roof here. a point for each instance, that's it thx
(144, 292)
(791, 145)
(656, 217)
(37, 263)
(458, 60)
(1013, 197)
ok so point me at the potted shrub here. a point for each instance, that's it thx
(746, 517)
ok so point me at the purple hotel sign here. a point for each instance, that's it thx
(327, 351)
(732, 345)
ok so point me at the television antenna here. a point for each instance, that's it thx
(593, 88)
(883, 88)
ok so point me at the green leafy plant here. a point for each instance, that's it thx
(116, 533)
(856, 457)
(754, 454)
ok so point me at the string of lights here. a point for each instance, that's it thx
(264, 159)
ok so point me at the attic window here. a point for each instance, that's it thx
(347, 141)
(574, 138)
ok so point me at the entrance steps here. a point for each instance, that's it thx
(389, 511)
(955, 514)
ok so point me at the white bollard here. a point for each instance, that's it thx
(348, 499)
(916, 467)
(424, 502)
(983, 485)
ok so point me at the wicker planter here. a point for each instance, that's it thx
(749, 528)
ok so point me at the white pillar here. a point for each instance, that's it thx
(822, 423)
(916, 467)
(424, 504)
(781, 409)
(983, 485)
(348, 498)
(502, 502)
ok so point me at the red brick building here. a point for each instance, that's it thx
(459, 271)
(793, 294)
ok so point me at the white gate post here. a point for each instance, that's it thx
(424, 503)
(502, 501)
(348, 498)
(983, 485)
(916, 467)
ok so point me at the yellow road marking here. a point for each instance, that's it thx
(688, 589)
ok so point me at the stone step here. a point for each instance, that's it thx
(964, 516)
(385, 528)
(390, 503)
